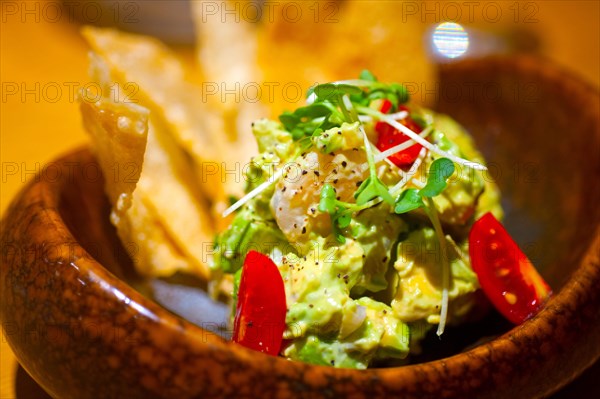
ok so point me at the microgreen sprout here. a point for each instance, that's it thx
(411, 199)
(414, 136)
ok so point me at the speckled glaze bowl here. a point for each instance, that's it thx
(79, 327)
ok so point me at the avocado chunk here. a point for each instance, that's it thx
(419, 277)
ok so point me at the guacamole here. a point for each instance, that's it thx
(371, 245)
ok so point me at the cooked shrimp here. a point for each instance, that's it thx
(296, 199)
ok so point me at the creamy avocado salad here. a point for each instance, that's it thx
(363, 201)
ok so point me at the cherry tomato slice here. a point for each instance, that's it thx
(386, 106)
(261, 307)
(505, 274)
(389, 137)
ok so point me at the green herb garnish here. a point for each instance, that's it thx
(329, 203)
(365, 74)
(305, 121)
(410, 199)
(333, 92)
(371, 188)
(370, 89)
(441, 169)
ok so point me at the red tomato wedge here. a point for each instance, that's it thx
(388, 137)
(506, 276)
(261, 307)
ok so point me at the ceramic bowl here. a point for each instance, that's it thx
(84, 325)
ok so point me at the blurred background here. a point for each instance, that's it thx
(43, 61)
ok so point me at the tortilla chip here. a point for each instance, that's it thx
(119, 132)
(158, 214)
(152, 75)
(167, 187)
(147, 241)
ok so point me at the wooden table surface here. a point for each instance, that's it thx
(43, 62)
